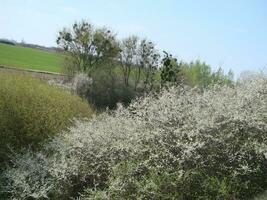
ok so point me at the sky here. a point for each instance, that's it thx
(231, 34)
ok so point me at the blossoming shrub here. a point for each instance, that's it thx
(180, 144)
(32, 111)
(81, 84)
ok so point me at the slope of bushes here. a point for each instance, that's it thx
(31, 111)
(181, 144)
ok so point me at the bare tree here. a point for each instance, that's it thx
(149, 59)
(128, 56)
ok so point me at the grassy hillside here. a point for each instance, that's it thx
(29, 58)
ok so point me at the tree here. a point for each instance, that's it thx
(106, 44)
(198, 73)
(171, 69)
(128, 56)
(218, 75)
(229, 78)
(148, 61)
(87, 46)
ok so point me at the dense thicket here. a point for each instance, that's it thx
(32, 111)
(180, 144)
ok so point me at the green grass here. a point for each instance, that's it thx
(29, 58)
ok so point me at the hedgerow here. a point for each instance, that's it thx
(180, 144)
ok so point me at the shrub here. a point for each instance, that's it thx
(81, 84)
(181, 144)
(262, 196)
(32, 111)
(106, 90)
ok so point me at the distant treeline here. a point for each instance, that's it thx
(6, 41)
(22, 43)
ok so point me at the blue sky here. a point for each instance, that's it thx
(227, 33)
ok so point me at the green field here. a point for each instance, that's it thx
(29, 58)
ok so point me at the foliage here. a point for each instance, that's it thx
(148, 63)
(128, 56)
(91, 48)
(81, 84)
(94, 52)
(87, 46)
(29, 58)
(128, 67)
(171, 70)
(139, 60)
(262, 196)
(181, 144)
(103, 89)
(107, 89)
(32, 111)
(200, 74)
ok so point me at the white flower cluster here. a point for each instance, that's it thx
(60, 83)
(81, 83)
(176, 130)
